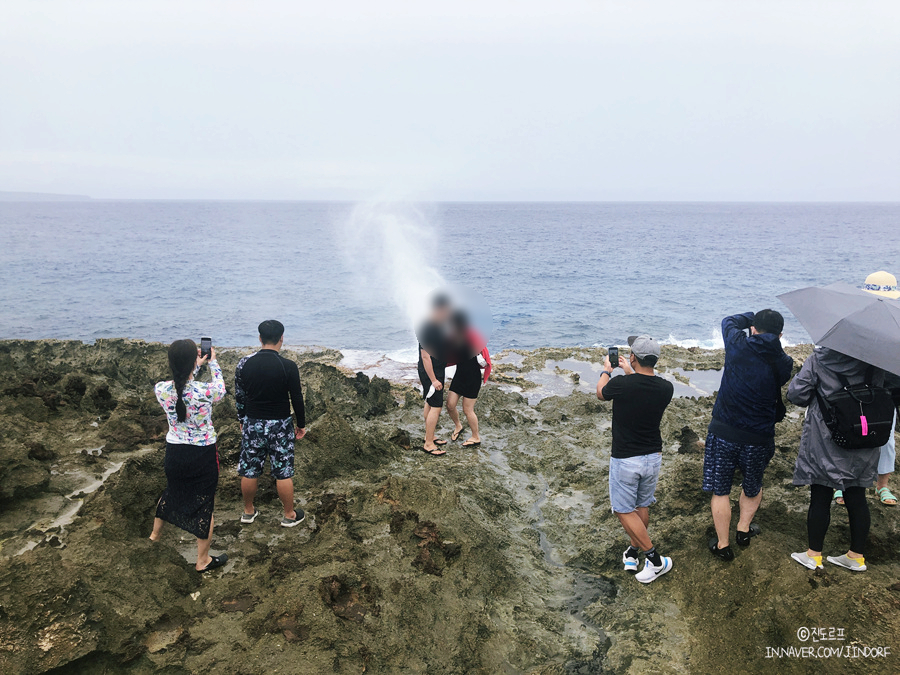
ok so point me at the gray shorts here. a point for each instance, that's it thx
(632, 481)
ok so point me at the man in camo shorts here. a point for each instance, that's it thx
(266, 385)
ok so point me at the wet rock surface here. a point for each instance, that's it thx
(499, 559)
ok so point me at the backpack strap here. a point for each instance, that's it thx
(824, 408)
(868, 378)
(845, 383)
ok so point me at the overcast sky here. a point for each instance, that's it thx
(523, 100)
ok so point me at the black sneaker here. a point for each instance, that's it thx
(725, 554)
(298, 518)
(743, 538)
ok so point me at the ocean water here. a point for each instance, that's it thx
(345, 275)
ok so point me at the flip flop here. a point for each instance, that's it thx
(455, 435)
(217, 561)
(433, 453)
(886, 496)
(441, 442)
(468, 444)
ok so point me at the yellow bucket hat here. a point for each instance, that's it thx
(882, 283)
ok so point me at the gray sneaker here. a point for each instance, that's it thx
(247, 518)
(298, 518)
(808, 561)
(852, 564)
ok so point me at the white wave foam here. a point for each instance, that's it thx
(715, 341)
(410, 355)
(398, 365)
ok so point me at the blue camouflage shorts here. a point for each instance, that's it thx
(267, 438)
(723, 457)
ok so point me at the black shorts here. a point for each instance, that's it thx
(437, 399)
(467, 380)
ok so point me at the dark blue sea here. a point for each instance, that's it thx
(344, 275)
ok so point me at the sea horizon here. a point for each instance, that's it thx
(344, 275)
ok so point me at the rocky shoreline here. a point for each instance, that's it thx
(500, 559)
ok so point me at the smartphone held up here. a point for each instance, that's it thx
(205, 347)
(613, 356)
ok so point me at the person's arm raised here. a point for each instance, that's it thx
(217, 386)
(605, 378)
(733, 327)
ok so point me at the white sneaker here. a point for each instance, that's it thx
(630, 562)
(808, 561)
(651, 572)
(853, 564)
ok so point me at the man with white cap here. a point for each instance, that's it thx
(639, 401)
(884, 284)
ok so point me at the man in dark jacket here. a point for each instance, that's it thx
(266, 386)
(742, 431)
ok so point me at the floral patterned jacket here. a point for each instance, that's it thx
(197, 428)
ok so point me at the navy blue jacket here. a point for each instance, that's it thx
(745, 407)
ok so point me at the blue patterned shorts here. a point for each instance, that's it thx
(723, 457)
(267, 438)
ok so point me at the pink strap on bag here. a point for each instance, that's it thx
(865, 425)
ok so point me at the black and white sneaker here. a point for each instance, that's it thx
(299, 517)
(247, 518)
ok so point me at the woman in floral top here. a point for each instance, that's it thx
(192, 459)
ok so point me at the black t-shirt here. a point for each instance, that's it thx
(639, 402)
(433, 339)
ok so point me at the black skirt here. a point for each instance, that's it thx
(192, 475)
(467, 380)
